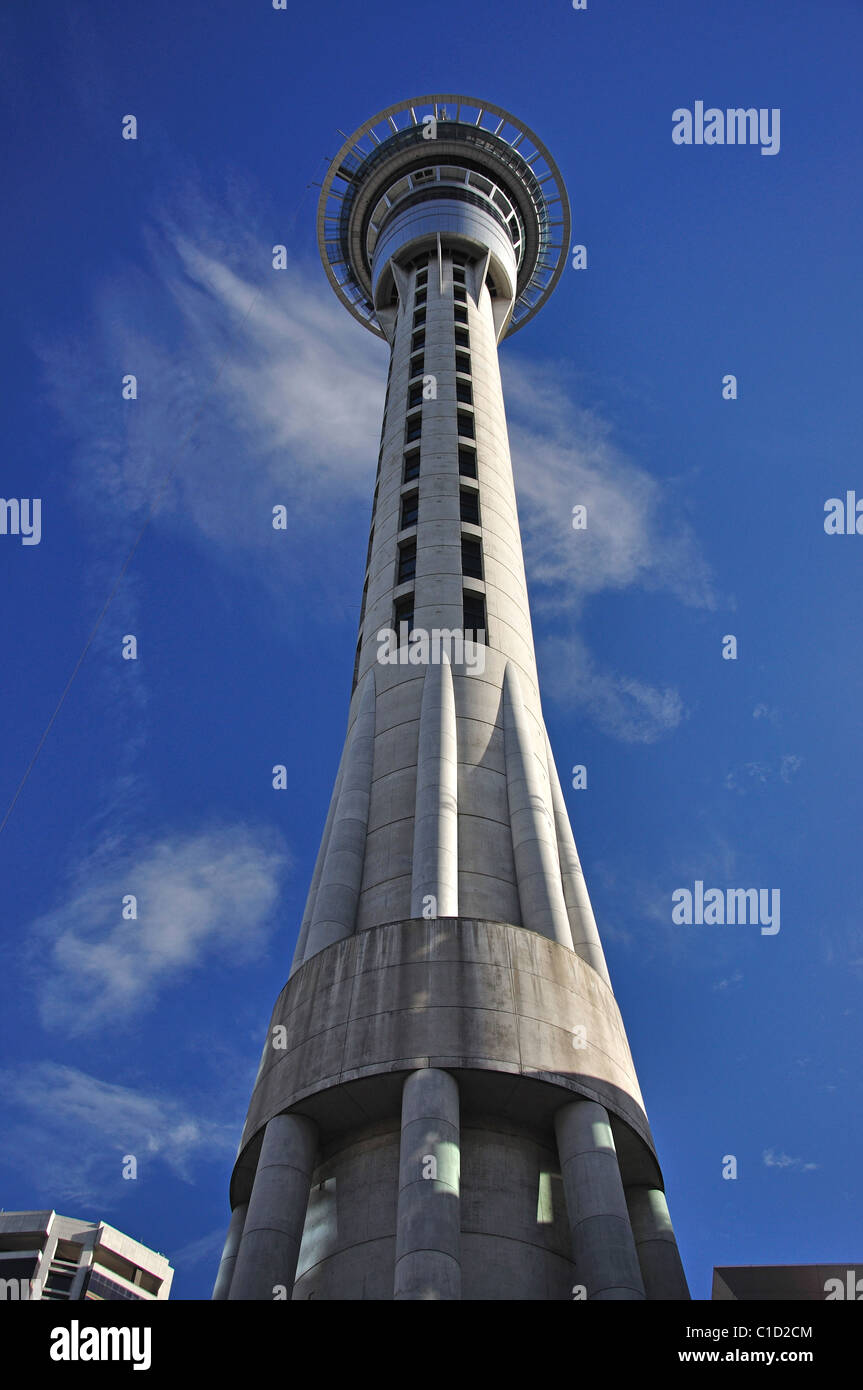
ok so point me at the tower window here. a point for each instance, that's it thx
(415, 395)
(418, 341)
(465, 424)
(412, 466)
(471, 558)
(458, 258)
(462, 337)
(457, 275)
(467, 462)
(407, 566)
(459, 294)
(413, 427)
(462, 362)
(460, 313)
(416, 366)
(403, 612)
(469, 505)
(422, 278)
(463, 392)
(419, 297)
(473, 619)
(419, 318)
(410, 509)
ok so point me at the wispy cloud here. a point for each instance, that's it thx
(199, 895)
(760, 773)
(625, 708)
(76, 1130)
(772, 1159)
(563, 456)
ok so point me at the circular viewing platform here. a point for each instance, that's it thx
(448, 148)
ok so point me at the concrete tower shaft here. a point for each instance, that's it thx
(446, 1105)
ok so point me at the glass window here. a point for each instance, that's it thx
(469, 505)
(463, 392)
(471, 557)
(407, 566)
(419, 318)
(462, 337)
(403, 612)
(473, 621)
(416, 367)
(415, 396)
(413, 427)
(418, 340)
(467, 462)
(410, 509)
(462, 362)
(412, 466)
(460, 313)
(465, 424)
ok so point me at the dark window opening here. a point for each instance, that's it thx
(463, 392)
(460, 313)
(415, 395)
(407, 566)
(403, 612)
(469, 505)
(412, 466)
(462, 362)
(418, 341)
(471, 558)
(473, 617)
(413, 428)
(467, 463)
(465, 424)
(416, 366)
(462, 337)
(410, 509)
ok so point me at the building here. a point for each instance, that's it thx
(446, 1105)
(44, 1255)
(788, 1283)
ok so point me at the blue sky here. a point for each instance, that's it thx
(705, 519)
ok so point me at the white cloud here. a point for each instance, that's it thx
(772, 1159)
(621, 706)
(197, 895)
(76, 1130)
(563, 455)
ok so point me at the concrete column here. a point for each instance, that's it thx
(661, 1265)
(435, 856)
(428, 1224)
(585, 936)
(534, 839)
(606, 1262)
(222, 1286)
(338, 892)
(270, 1245)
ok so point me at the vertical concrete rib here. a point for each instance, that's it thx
(341, 877)
(661, 1265)
(534, 841)
(308, 914)
(603, 1246)
(585, 937)
(435, 853)
(267, 1258)
(428, 1224)
(222, 1286)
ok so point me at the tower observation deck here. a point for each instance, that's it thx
(446, 1105)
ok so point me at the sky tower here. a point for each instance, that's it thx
(446, 1106)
